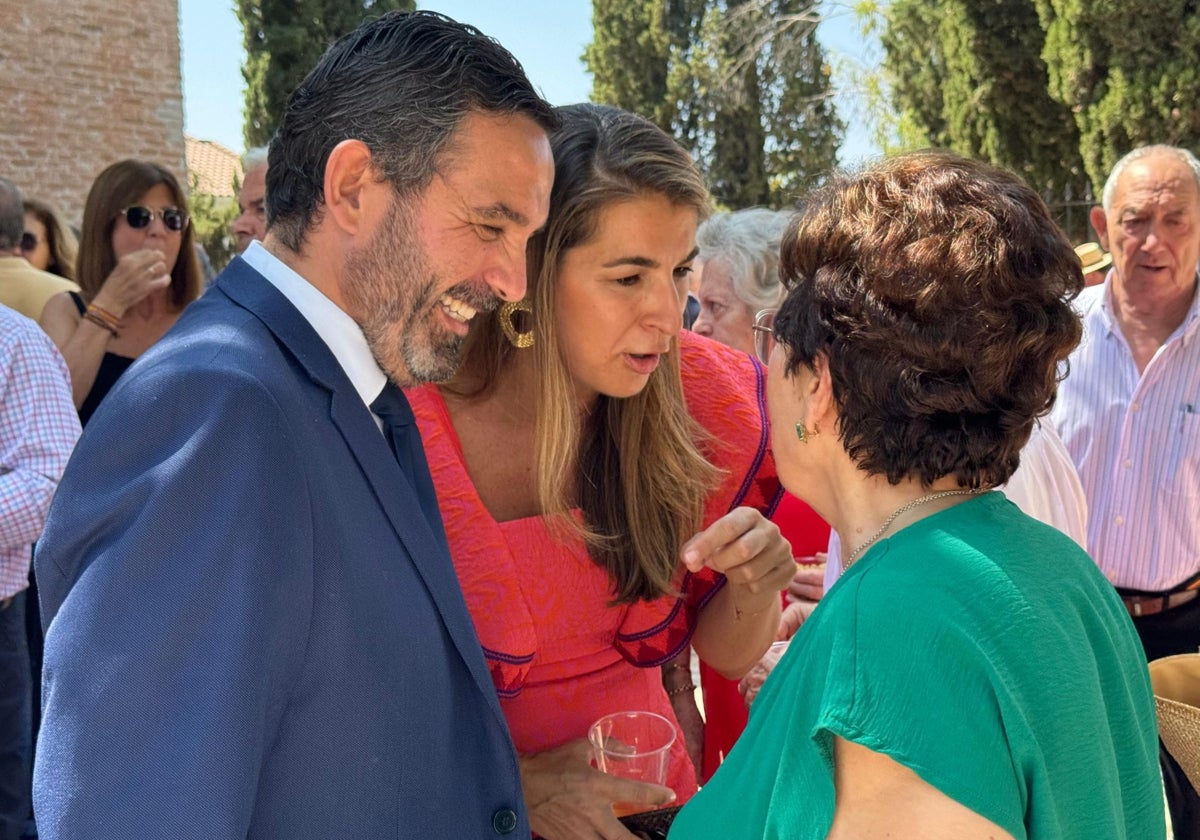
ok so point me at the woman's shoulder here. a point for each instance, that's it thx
(433, 419)
(725, 392)
(426, 400)
(701, 357)
(67, 301)
(725, 389)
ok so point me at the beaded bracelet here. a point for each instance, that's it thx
(683, 689)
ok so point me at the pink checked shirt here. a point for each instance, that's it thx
(38, 430)
(1136, 442)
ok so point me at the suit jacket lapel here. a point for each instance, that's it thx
(428, 551)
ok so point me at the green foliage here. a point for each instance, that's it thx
(284, 39)
(210, 219)
(969, 76)
(1127, 72)
(743, 84)
(628, 56)
(1057, 90)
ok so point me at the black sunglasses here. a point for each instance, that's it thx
(29, 241)
(138, 217)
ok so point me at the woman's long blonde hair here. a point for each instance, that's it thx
(634, 466)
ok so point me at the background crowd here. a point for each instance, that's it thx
(496, 426)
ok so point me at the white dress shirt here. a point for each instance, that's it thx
(339, 331)
(1135, 439)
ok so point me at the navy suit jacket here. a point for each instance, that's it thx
(253, 632)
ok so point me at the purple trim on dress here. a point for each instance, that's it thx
(509, 658)
(657, 628)
(663, 660)
(760, 393)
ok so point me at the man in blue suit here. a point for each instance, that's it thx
(254, 628)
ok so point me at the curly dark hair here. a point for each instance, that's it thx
(939, 290)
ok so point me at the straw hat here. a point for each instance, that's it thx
(1176, 683)
(1092, 257)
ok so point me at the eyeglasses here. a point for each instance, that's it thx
(29, 241)
(764, 334)
(138, 217)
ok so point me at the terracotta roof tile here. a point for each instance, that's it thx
(214, 166)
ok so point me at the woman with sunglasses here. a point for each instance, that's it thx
(971, 674)
(47, 243)
(598, 470)
(137, 270)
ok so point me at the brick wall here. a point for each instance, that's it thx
(83, 84)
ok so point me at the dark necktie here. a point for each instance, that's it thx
(400, 429)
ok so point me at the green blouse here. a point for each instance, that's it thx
(983, 650)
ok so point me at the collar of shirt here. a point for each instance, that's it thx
(1102, 295)
(338, 330)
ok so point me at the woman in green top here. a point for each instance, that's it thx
(971, 674)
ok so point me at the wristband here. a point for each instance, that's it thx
(101, 322)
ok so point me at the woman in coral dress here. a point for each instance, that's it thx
(604, 481)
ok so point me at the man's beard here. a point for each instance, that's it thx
(392, 292)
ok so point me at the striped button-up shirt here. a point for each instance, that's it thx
(1135, 439)
(38, 430)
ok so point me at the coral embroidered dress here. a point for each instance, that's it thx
(559, 655)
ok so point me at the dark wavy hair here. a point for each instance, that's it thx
(939, 290)
(401, 84)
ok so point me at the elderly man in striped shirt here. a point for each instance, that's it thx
(1128, 409)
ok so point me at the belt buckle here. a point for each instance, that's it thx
(1136, 609)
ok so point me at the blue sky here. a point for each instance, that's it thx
(546, 36)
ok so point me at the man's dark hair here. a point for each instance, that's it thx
(401, 84)
(12, 215)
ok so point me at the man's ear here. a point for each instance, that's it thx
(349, 182)
(1099, 221)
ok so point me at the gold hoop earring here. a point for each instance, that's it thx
(804, 433)
(520, 340)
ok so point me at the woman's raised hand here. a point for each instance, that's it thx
(748, 549)
(135, 276)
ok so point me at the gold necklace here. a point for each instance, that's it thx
(887, 523)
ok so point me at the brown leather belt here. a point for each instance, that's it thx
(1143, 605)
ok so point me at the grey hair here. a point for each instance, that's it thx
(254, 158)
(12, 215)
(1183, 155)
(747, 242)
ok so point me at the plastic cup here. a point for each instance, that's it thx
(633, 745)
